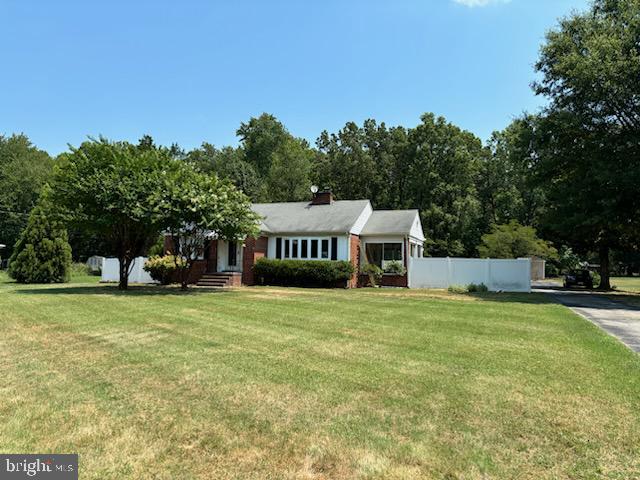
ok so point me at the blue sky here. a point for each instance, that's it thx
(191, 71)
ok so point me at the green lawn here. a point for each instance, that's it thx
(626, 284)
(314, 384)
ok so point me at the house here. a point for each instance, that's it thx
(322, 229)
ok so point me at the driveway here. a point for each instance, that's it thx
(613, 316)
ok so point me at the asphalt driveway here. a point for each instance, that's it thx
(613, 316)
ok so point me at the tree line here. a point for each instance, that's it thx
(570, 171)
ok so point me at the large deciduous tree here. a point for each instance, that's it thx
(588, 143)
(513, 240)
(114, 189)
(260, 137)
(23, 171)
(282, 161)
(505, 189)
(442, 178)
(196, 207)
(227, 163)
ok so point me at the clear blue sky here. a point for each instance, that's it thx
(191, 71)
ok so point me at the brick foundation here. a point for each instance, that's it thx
(200, 267)
(400, 281)
(395, 281)
(235, 279)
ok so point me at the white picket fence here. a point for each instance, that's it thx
(111, 271)
(497, 275)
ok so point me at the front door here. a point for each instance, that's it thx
(232, 260)
(210, 255)
(229, 256)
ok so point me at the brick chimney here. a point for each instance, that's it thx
(325, 197)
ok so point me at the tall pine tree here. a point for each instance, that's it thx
(42, 253)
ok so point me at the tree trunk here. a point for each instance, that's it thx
(184, 276)
(124, 273)
(605, 283)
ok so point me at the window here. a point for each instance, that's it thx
(286, 248)
(373, 251)
(314, 249)
(325, 248)
(304, 248)
(334, 248)
(278, 247)
(294, 248)
(413, 250)
(392, 251)
(381, 253)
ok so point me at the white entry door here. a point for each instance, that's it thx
(229, 256)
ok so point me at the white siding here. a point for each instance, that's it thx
(362, 220)
(416, 229)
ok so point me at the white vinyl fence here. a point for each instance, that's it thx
(497, 275)
(111, 271)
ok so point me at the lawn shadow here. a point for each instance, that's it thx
(533, 298)
(112, 289)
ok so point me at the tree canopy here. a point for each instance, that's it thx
(587, 141)
(513, 240)
(114, 189)
(23, 172)
(195, 206)
(433, 167)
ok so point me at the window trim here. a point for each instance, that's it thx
(303, 248)
(382, 260)
(322, 244)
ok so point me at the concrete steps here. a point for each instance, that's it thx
(215, 280)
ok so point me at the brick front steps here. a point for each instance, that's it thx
(219, 280)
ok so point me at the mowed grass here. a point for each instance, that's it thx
(314, 384)
(626, 284)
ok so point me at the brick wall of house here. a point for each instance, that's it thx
(355, 260)
(200, 267)
(254, 248)
(395, 281)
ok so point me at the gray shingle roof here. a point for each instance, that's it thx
(302, 217)
(390, 222)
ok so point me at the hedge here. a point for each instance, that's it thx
(162, 269)
(303, 273)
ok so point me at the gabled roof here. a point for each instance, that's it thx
(301, 217)
(394, 222)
